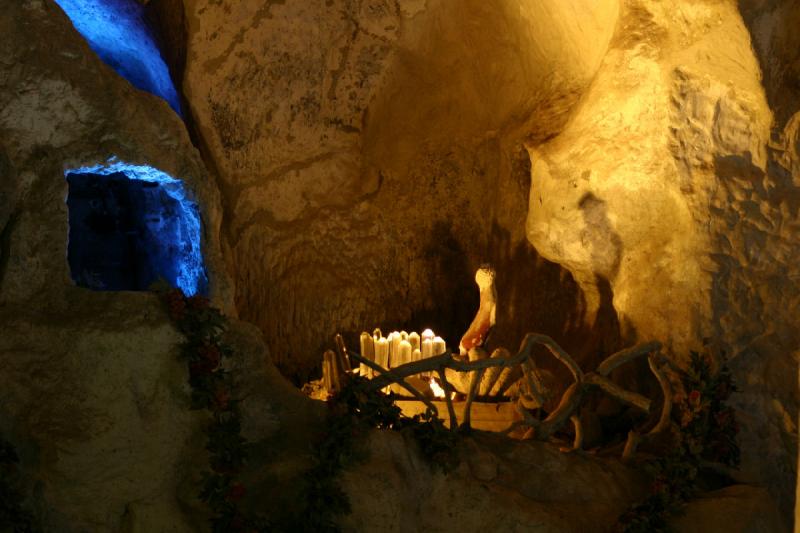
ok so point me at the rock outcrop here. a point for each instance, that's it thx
(670, 183)
(381, 165)
(91, 390)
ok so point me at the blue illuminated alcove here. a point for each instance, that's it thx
(118, 32)
(130, 225)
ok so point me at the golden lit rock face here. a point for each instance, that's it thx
(369, 159)
(365, 153)
(623, 191)
(476, 69)
(666, 183)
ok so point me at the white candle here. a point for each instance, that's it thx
(416, 355)
(439, 346)
(394, 349)
(327, 372)
(428, 334)
(382, 352)
(389, 339)
(413, 338)
(404, 353)
(367, 352)
(427, 348)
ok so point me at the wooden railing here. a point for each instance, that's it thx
(533, 393)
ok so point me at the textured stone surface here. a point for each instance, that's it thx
(61, 108)
(369, 151)
(534, 488)
(739, 508)
(671, 184)
(99, 405)
(91, 390)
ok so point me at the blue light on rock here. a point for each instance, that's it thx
(130, 225)
(117, 31)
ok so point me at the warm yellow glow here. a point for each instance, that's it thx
(438, 391)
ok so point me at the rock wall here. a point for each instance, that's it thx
(98, 407)
(369, 152)
(675, 184)
(659, 178)
(62, 108)
(91, 390)
(500, 485)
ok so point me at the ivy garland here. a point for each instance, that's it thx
(212, 389)
(352, 412)
(13, 515)
(708, 430)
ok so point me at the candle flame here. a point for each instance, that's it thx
(438, 391)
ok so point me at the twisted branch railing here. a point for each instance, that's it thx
(500, 366)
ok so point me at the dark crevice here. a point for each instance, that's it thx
(779, 55)
(168, 21)
(5, 245)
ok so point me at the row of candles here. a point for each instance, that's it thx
(399, 348)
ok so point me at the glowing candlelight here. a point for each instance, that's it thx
(427, 348)
(428, 334)
(404, 352)
(367, 352)
(414, 339)
(439, 346)
(438, 391)
(382, 352)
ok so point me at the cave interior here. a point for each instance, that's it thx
(399, 265)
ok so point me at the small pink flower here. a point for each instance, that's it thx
(694, 397)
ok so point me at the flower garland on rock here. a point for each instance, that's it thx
(205, 353)
(707, 434)
(13, 515)
(352, 412)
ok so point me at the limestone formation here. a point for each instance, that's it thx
(671, 184)
(364, 149)
(630, 168)
(91, 390)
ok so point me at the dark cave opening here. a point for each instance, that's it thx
(127, 233)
